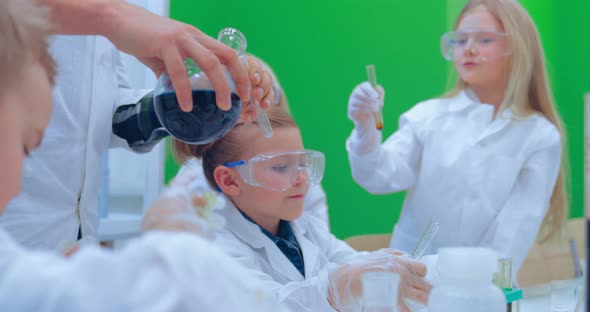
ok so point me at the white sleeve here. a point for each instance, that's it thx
(336, 250)
(392, 166)
(158, 272)
(515, 228)
(315, 204)
(307, 296)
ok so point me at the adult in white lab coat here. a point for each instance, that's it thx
(60, 183)
(483, 161)
(159, 272)
(61, 179)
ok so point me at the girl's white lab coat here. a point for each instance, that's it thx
(61, 179)
(244, 241)
(157, 272)
(486, 181)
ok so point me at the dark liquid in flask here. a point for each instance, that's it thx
(204, 124)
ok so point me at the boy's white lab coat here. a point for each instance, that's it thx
(157, 272)
(61, 179)
(486, 181)
(244, 241)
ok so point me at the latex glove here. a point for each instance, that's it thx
(363, 102)
(344, 290)
(433, 275)
(180, 209)
(191, 175)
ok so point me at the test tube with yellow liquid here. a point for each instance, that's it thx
(372, 77)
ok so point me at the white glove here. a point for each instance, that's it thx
(345, 291)
(183, 210)
(363, 102)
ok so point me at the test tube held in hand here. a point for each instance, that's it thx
(372, 77)
(427, 236)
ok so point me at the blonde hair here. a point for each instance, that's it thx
(527, 91)
(24, 28)
(228, 147)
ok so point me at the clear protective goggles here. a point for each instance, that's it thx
(483, 44)
(279, 172)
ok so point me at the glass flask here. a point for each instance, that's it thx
(206, 122)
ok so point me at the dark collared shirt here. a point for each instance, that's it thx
(286, 241)
(138, 124)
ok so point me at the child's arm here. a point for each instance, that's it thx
(158, 271)
(391, 166)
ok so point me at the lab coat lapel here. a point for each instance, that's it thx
(498, 124)
(251, 234)
(467, 98)
(309, 247)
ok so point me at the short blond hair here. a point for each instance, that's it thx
(24, 30)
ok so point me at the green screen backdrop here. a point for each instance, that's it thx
(319, 50)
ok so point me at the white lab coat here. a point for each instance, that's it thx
(61, 179)
(315, 201)
(157, 272)
(487, 181)
(322, 252)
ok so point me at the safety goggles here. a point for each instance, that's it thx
(279, 172)
(484, 45)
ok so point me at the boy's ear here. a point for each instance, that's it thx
(226, 180)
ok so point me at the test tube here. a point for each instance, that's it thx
(263, 122)
(427, 236)
(504, 273)
(231, 37)
(372, 77)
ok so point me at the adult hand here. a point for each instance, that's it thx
(163, 44)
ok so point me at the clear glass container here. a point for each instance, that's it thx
(206, 122)
(379, 291)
